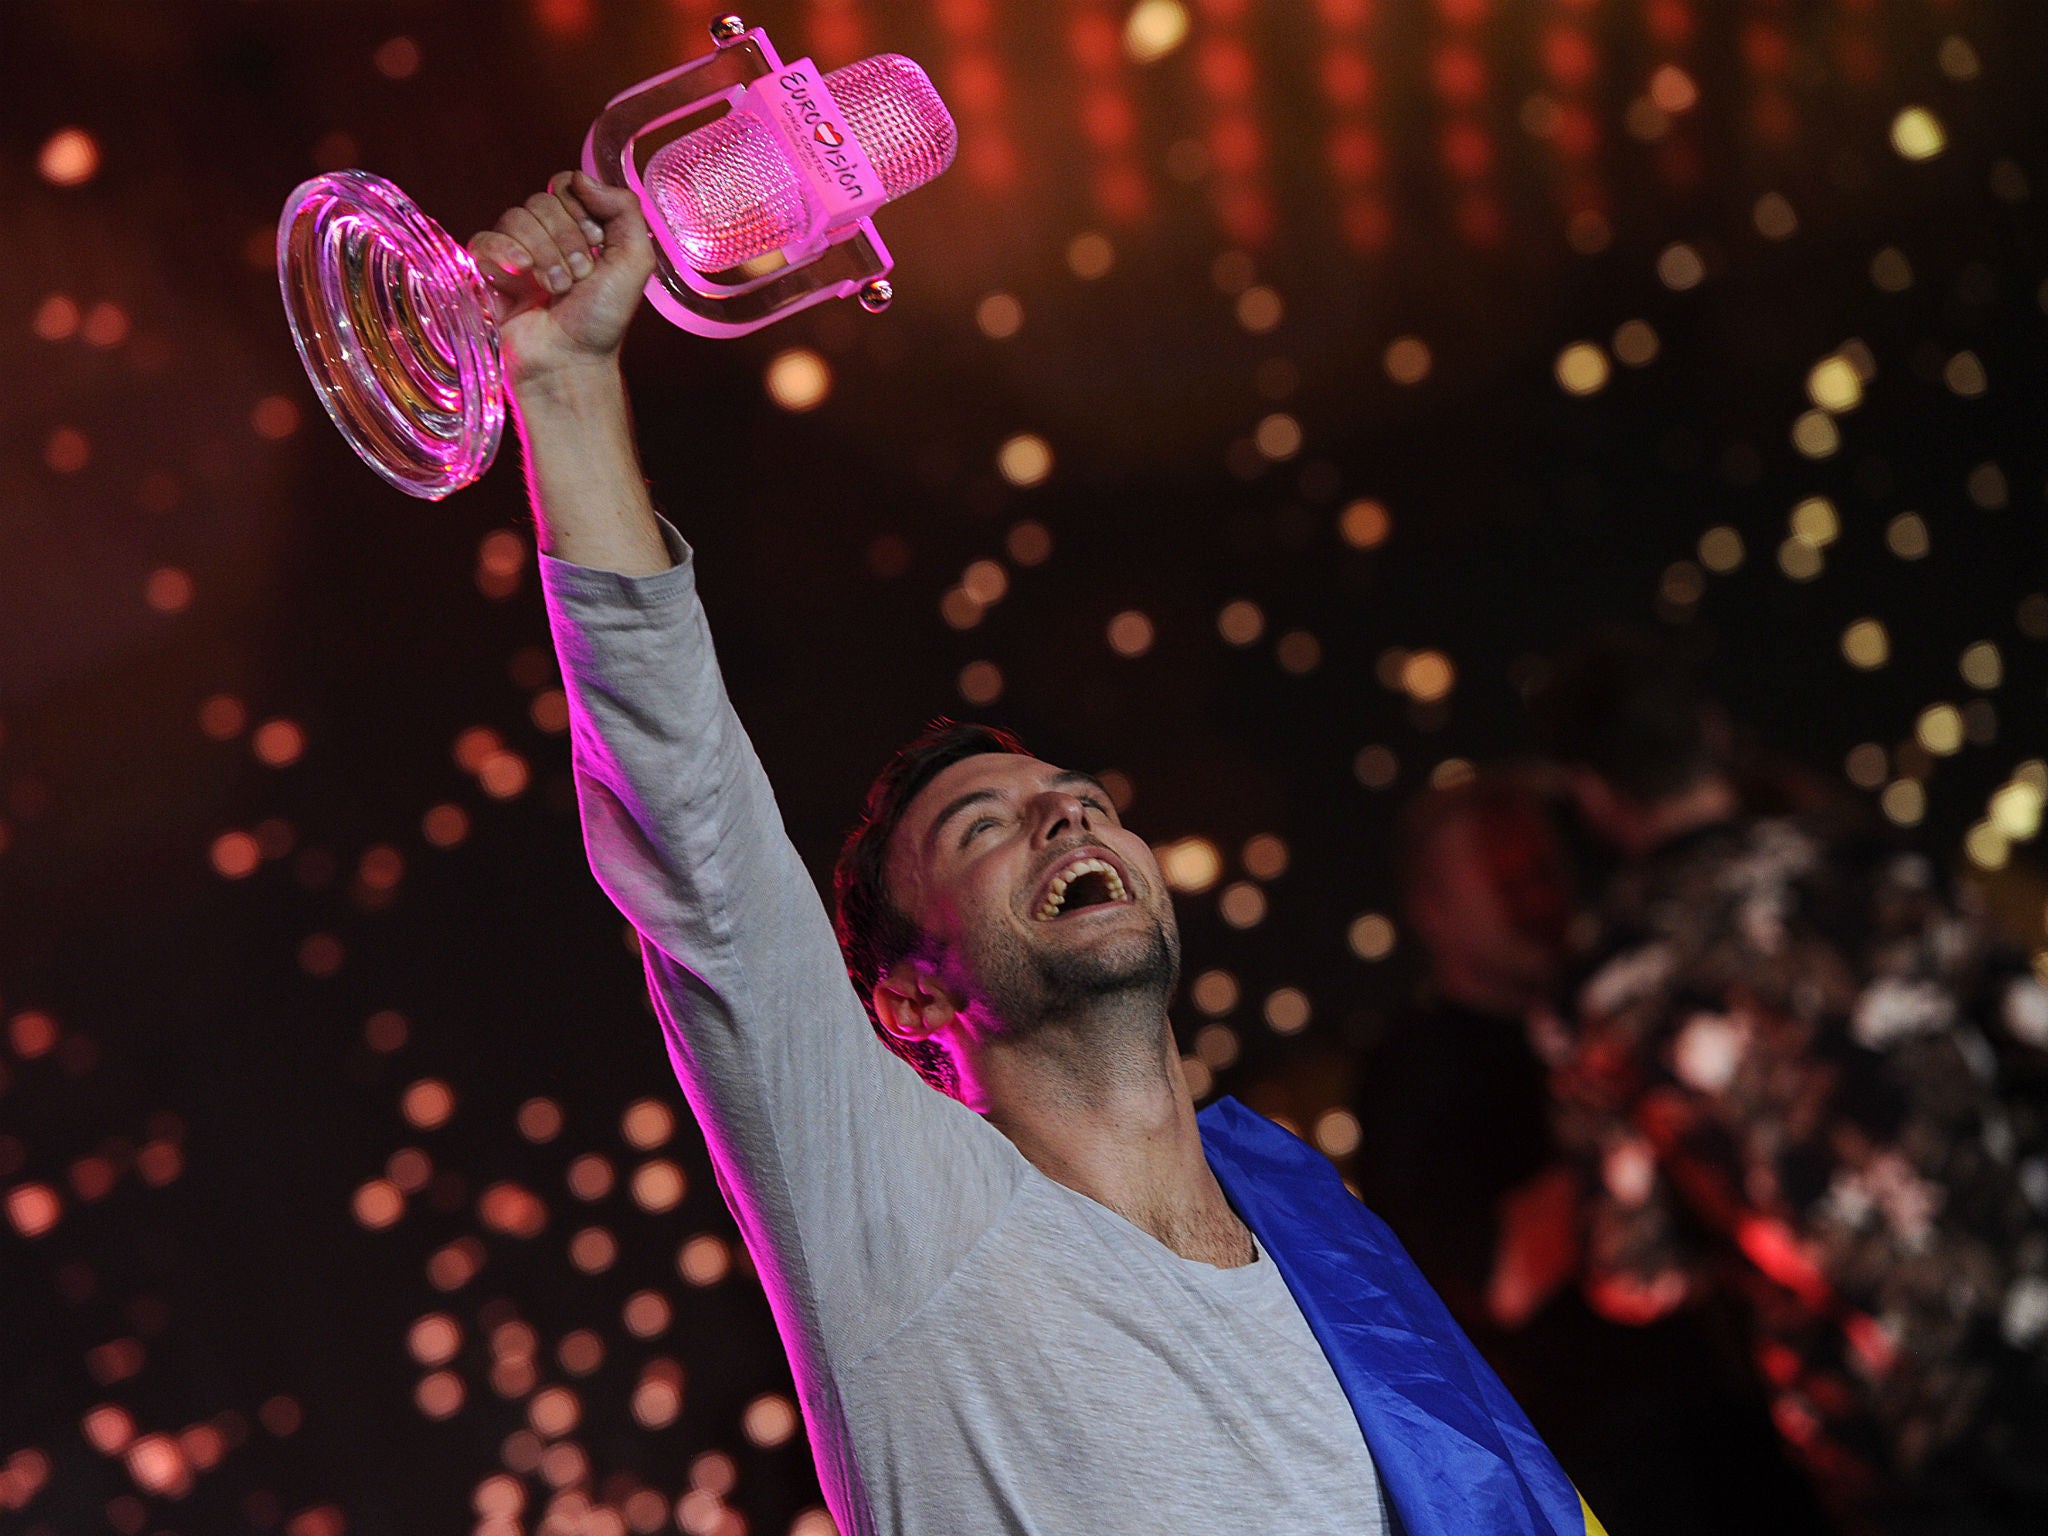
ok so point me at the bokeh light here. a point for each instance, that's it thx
(1917, 134)
(798, 379)
(1191, 865)
(1000, 316)
(70, 157)
(1408, 360)
(1154, 29)
(1866, 645)
(1365, 524)
(1582, 369)
(1024, 460)
(1371, 936)
(1131, 633)
(1287, 1011)
(1240, 622)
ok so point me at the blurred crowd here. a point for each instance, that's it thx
(1721, 1121)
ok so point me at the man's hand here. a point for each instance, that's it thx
(566, 269)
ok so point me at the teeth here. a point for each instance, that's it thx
(1056, 893)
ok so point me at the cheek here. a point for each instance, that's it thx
(1139, 860)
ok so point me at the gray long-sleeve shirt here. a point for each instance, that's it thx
(977, 1348)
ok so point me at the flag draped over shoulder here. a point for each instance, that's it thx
(1455, 1452)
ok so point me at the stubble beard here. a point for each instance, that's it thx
(1033, 991)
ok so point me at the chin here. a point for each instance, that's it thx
(1028, 983)
(1136, 960)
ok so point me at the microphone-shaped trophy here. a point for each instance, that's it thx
(757, 213)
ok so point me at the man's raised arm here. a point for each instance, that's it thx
(566, 269)
(856, 1186)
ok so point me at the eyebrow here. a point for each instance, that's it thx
(1066, 779)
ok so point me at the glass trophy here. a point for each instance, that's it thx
(759, 179)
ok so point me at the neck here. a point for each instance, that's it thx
(1116, 1126)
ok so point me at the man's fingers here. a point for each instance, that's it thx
(550, 261)
(562, 228)
(614, 208)
(496, 251)
(508, 267)
(563, 185)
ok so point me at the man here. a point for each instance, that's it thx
(1664, 1427)
(1456, 1152)
(1026, 1303)
(1800, 1077)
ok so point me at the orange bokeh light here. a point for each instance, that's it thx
(409, 1168)
(508, 1208)
(160, 1162)
(445, 825)
(32, 1033)
(434, 1338)
(590, 1177)
(69, 157)
(67, 450)
(223, 717)
(109, 1428)
(456, 1265)
(593, 1250)
(503, 775)
(439, 1395)
(115, 1360)
(106, 324)
(275, 418)
(646, 1314)
(93, 1178)
(475, 745)
(56, 317)
(278, 743)
(648, 1123)
(158, 1466)
(33, 1208)
(539, 1120)
(378, 1203)
(704, 1260)
(428, 1103)
(385, 1031)
(168, 589)
(658, 1185)
(769, 1420)
(659, 1397)
(553, 1412)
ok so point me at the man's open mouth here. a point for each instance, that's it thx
(1084, 883)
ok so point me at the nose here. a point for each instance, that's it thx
(1058, 813)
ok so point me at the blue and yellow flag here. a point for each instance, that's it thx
(1455, 1452)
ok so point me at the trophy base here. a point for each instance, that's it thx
(393, 323)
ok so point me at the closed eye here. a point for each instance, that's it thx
(979, 824)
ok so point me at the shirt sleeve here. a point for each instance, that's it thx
(858, 1187)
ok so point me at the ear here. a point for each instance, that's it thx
(912, 1003)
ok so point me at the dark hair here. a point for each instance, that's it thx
(873, 932)
(1627, 706)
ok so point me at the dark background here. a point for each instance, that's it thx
(205, 934)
